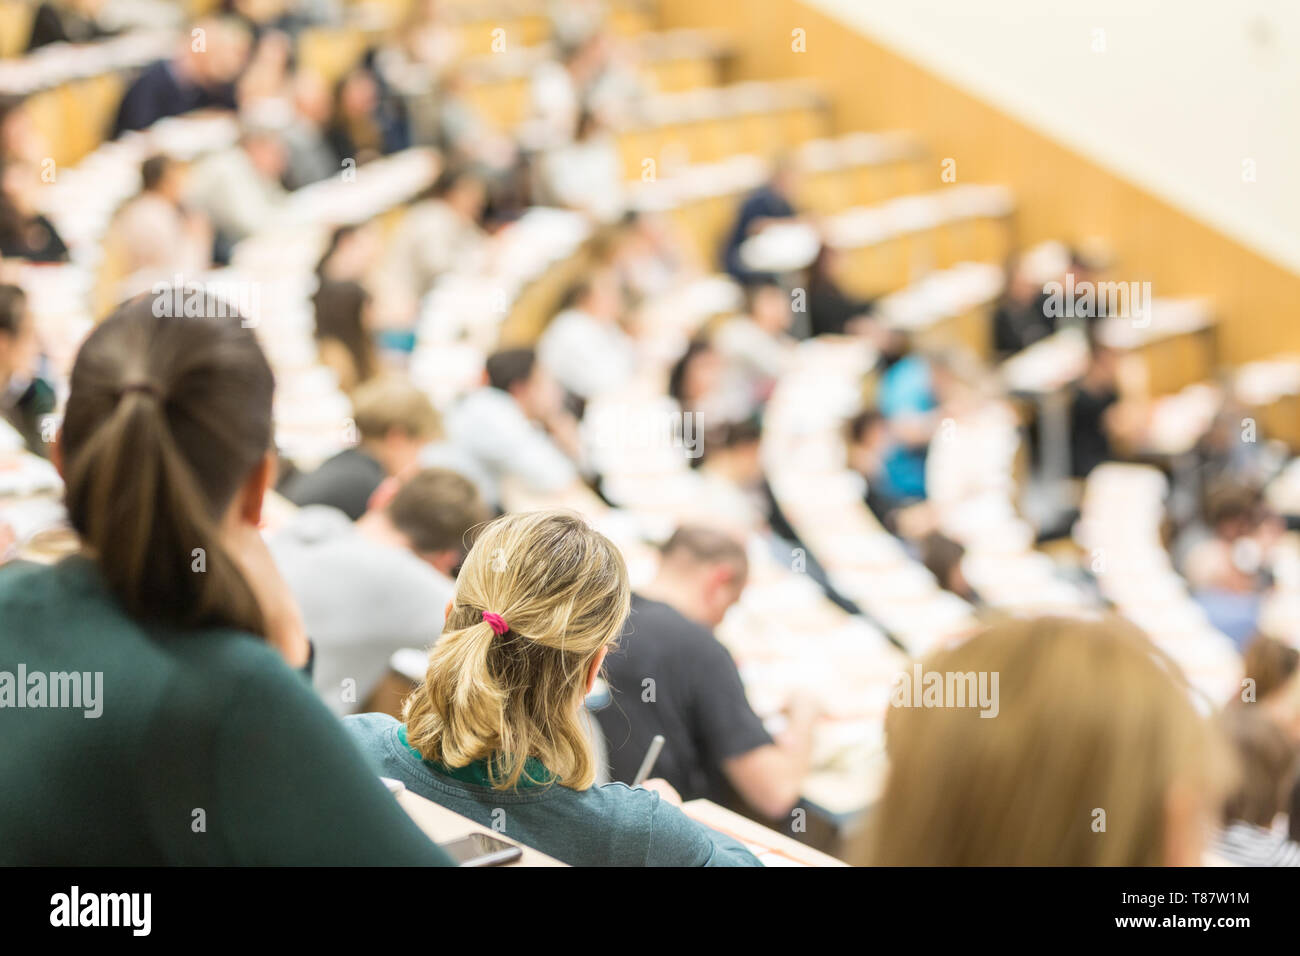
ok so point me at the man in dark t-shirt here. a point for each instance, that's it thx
(346, 481)
(671, 676)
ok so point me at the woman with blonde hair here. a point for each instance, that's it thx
(1092, 755)
(497, 730)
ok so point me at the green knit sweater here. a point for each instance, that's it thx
(169, 747)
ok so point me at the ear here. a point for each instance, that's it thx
(594, 671)
(56, 453)
(253, 493)
(444, 561)
(446, 612)
(719, 576)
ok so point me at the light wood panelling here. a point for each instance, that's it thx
(1060, 194)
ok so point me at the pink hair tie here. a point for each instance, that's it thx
(496, 622)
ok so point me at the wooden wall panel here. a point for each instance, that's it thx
(1061, 194)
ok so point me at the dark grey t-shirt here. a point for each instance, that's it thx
(670, 676)
(345, 481)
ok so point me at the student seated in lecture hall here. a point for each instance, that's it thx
(1267, 761)
(371, 588)
(203, 743)
(715, 745)
(394, 420)
(514, 426)
(498, 732)
(25, 397)
(1051, 781)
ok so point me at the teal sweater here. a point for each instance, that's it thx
(613, 825)
(206, 748)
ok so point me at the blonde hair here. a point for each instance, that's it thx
(1091, 717)
(563, 590)
(382, 404)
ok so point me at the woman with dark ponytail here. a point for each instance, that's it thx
(156, 714)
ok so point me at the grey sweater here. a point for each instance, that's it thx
(361, 601)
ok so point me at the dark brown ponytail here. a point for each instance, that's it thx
(169, 413)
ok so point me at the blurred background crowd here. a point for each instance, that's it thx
(513, 254)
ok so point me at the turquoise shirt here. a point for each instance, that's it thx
(611, 825)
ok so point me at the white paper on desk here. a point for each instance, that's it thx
(770, 859)
(30, 517)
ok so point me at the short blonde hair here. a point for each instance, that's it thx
(1091, 716)
(382, 404)
(563, 589)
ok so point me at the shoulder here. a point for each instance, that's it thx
(565, 326)
(666, 623)
(371, 732)
(19, 577)
(486, 401)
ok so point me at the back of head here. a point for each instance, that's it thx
(1271, 664)
(1090, 734)
(436, 510)
(152, 171)
(381, 405)
(1230, 506)
(510, 367)
(13, 309)
(340, 308)
(729, 438)
(562, 591)
(941, 556)
(699, 545)
(1266, 761)
(166, 419)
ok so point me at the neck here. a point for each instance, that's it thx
(376, 527)
(669, 588)
(382, 454)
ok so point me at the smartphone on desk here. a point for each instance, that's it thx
(481, 849)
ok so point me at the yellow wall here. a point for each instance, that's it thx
(1060, 193)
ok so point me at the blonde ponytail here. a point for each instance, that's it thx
(504, 698)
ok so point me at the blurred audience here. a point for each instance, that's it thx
(201, 75)
(585, 347)
(438, 233)
(773, 202)
(1267, 760)
(67, 21)
(239, 188)
(515, 426)
(343, 335)
(832, 311)
(393, 420)
(372, 588)
(157, 236)
(26, 399)
(25, 232)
